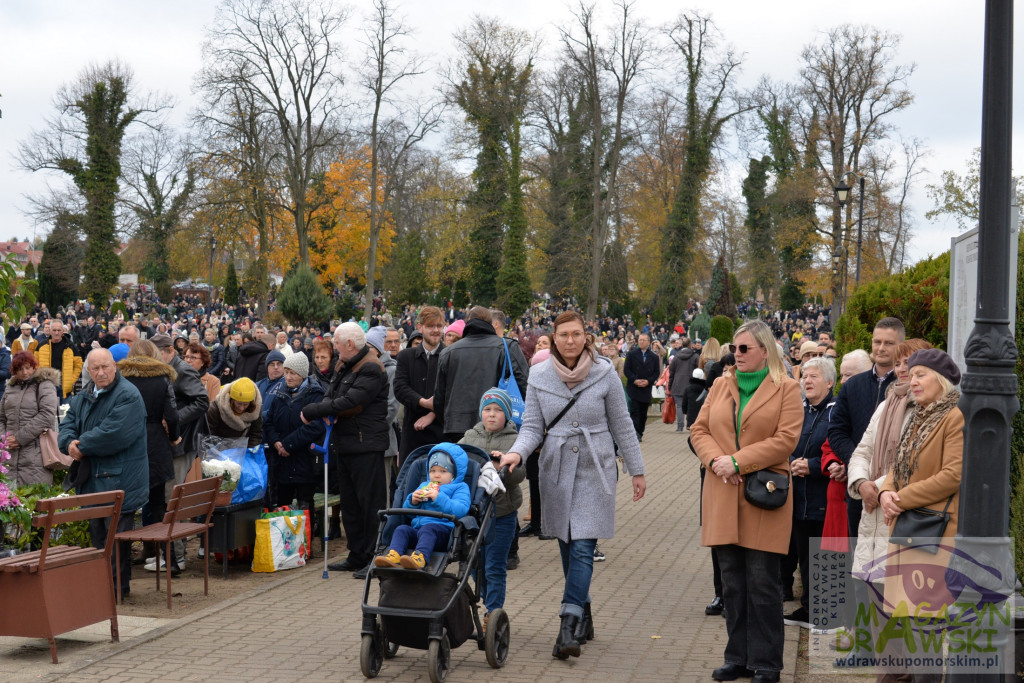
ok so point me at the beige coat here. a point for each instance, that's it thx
(769, 431)
(873, 533)
(937, 477)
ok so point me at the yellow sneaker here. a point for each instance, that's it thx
(389, 560)
(414, 561)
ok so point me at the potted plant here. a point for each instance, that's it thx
(13, 515)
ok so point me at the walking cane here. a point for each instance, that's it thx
(324, 449)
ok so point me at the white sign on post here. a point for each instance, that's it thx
(963, 286)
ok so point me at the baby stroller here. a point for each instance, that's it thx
(433, 609)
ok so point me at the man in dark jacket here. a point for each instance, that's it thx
(468, 368)
(415, 378)
(217, 352)
(358, 401)
(641, 368)
(252, 358)
(105, 432)
(858, 398)
(191, 402)
(680, 372)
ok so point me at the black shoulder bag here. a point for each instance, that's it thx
(764, 489)
(547, 428)
(921, 524)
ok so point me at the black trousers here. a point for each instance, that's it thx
(98, 530)
(804, 531)
(753, 608)
(638, 413)
(533, 479)
(362, 488)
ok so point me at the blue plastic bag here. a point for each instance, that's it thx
(252, 483)
(509, 385)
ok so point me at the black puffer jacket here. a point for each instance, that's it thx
(155, 381)
(358, 399)
(680, 370)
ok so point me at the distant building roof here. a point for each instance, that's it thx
(22, 251)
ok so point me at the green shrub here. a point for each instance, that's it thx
(700, 328)
(919, 296)
(302, 299)
(1017, 439)
(722, 328)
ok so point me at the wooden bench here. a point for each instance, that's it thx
(188, 501)
(58, 589)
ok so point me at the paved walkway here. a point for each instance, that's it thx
(649, 599)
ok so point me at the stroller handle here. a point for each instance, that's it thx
(421, 513)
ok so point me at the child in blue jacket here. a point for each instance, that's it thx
(444, 491)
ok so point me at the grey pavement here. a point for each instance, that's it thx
(649, 598)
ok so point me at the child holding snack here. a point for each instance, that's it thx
(495, 434)
(444, 491)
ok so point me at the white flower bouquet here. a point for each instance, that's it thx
(230, 470)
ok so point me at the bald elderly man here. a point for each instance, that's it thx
(104, 432)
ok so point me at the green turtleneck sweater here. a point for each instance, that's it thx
(748, 383)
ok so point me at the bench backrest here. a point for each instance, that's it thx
(192, 499)
(67, 509)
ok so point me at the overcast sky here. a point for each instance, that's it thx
(46, 44)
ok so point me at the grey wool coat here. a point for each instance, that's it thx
(577, 464)
(27, 410)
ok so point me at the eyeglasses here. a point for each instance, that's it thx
(743, 348)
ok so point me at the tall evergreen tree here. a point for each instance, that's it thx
(759, 229)
(61, 263)
(720, 299)
(231, 285)
(513, 281)
(707, 91)
(497, 68)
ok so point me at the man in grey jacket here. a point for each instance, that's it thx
(680, 369)
(468, 368)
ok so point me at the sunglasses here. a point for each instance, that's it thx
(742, 348)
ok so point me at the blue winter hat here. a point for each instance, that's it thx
(440, 458)
(119, 352)
(499, 397)
(275, 355)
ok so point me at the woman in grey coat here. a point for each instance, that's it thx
(578, 471)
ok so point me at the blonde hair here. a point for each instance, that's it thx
(762, 334)
(712, 352)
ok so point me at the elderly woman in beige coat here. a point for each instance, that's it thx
(925, 474)
(750, 421)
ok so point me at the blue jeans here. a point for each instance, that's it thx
(426, 539)
(496, 560)
(752, 594)
(578, 568)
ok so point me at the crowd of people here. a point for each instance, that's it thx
(764, 404)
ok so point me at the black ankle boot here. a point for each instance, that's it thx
(567, 646)
(585, 629)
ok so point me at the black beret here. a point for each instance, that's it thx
(939, 361)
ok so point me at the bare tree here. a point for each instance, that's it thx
(622, 62)
(284, 53)
(392, 139)
(850, 85)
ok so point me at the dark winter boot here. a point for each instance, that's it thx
(585, 628)
(567, 646)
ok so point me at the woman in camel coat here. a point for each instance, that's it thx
(750, 421)
(925, 474)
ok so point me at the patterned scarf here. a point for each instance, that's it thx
(898, 402)
(916, 432)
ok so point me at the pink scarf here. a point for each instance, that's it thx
(579, 373)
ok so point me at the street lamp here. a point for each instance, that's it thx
(213, 246)
(842, 192)
(837, 260)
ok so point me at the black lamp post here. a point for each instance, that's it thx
(213, 246)
(989, 399)
(842, 192)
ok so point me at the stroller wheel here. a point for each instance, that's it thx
(390, 650)
(497, 638)
(371, 656)
(438, 659)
